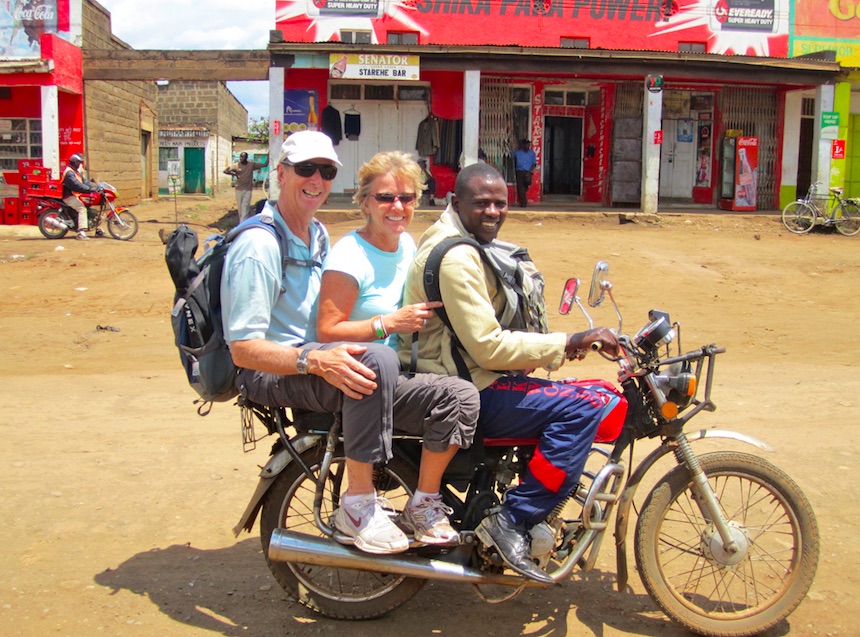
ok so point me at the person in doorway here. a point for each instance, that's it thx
(430, 180)
(243, 171)
(74, 182)
(270, 326)
(512, 403)
(361, 298)
(525, 162)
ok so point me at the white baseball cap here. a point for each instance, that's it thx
(306, 145)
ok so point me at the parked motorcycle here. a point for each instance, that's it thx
(56, 218)
(726, 544)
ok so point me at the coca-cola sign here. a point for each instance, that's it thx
(30, 12)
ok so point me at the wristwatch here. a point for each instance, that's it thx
(302, 362)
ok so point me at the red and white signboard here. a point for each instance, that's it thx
(837, 149)
(658, 137)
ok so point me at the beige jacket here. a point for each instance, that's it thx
(472, 300)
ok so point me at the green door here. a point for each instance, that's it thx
(195, 170)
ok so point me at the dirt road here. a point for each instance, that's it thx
(118, 499)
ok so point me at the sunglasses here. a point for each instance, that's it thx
(387, 198)
(308, 168)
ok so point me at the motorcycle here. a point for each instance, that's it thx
(56, 218)
(726, 543)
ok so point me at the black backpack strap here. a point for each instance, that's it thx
(431, 289)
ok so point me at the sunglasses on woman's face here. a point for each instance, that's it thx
(308, 168)
(387, 198)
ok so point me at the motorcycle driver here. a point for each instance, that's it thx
(74, 182)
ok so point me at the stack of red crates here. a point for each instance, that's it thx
(32, 179)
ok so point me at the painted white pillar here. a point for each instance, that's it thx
(652, 109)
(471, 116)
(51, 129)
(824, 103)
(276, 121)
(790, 145)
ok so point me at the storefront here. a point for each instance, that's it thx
(581, 81)
(183, 160)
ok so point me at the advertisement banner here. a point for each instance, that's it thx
(833, 25)
(740, 27)
(365, 66)
(300, 110)
(22, 23)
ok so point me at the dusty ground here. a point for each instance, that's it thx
(118, 500)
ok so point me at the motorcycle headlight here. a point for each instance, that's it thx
(679, 387)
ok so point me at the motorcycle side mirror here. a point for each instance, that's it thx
(599, 284)
(568, 296)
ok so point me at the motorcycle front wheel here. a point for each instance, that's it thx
(707, 589)
(334, 592)
(122, 225)
(53, 223)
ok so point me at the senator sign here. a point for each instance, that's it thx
(366, 66)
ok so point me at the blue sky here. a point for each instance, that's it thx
(191, 24)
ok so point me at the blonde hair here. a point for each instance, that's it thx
(393, 162)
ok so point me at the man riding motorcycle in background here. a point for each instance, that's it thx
(75, 182)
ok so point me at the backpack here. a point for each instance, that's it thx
(518, 277)
(196, 315)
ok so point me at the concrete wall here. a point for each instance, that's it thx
(210, 105)
(120, 120)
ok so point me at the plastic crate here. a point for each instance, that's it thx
(24, 164)
(11, 212)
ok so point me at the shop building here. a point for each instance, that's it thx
(197, 123)
(626, 104)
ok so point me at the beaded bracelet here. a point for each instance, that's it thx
(379, 327)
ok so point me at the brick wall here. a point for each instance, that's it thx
(119, 117)
(210, 105)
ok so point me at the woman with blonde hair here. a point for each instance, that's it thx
(361, 300)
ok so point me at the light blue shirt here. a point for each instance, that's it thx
(380, 275)
(255, 302)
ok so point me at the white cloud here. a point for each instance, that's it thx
(191, 24)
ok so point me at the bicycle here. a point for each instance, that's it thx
(802, 215)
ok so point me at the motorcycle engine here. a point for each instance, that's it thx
(542, 542)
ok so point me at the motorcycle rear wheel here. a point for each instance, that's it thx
(122, 225)
(698, 586)
(50, 231)
(334, 592)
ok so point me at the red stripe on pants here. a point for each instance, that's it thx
(550, 476)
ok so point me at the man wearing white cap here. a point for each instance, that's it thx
(270, 325)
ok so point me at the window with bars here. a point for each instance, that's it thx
(402, 37)
(19, 139)
(692, 47)
(575, 43)
(355, 37)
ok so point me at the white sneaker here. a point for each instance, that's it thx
(429, 522)
(82, 236)
(370, 527)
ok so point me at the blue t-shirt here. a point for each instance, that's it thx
(524, 159)
(255, 303)
(380, 275)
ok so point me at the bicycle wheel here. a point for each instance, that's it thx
(798, 217)
(848, 218)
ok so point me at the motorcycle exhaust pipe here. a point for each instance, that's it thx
(287, 546)
(56, 224)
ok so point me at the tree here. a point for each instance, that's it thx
(258, 128)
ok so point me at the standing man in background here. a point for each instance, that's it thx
(525, 161)
(243, 171)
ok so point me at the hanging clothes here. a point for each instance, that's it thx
(330, 124)
(427, 142)
(352, 124)
(450, 143)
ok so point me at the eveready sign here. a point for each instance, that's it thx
(743, 15)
